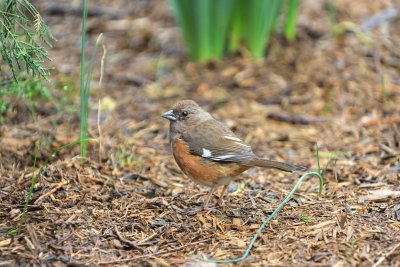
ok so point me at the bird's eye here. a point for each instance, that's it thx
(184, 113)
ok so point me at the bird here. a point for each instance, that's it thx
(208, 152)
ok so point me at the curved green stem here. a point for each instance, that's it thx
(276, 211)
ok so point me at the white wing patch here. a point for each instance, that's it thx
(235, 139)
(223, 157)
(218, 156)
(206, 153)
(232, 138)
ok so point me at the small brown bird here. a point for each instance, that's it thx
(208, 151)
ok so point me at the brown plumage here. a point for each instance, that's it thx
(208, 152)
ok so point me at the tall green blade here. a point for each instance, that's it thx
(291, 18)
(237, 27)
(181, 10)
(201, 15)
(204, 25)
(221, 17)
(83, 127)
(261, 17)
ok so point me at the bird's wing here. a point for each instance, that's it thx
(213, 140)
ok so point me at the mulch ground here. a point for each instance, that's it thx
(129, 204)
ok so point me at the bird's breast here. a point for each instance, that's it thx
(204, 171)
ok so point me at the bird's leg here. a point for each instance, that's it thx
(221, 196)
(209, 196)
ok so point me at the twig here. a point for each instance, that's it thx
(379, 195)
(34, 238)
(381, 259)
(388, 150)
(64, 238)
(296, 119)
(380, 18)
(151, 255)
(126, 241)
(382, 121)
(52, 191)
(67, 9)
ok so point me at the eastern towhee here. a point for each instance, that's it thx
(208, 151)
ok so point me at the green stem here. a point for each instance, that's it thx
(83, 99)
(276, 211)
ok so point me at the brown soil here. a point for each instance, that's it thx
(129, 204)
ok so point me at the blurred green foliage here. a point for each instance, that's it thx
(26, 89)
(210, 27)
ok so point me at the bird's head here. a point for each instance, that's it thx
(185, 114)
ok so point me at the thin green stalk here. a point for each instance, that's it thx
(83, 127)
(85, 86)
(317, 154)
(90, 68)
(34, 180)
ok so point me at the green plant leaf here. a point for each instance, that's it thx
(204, 26)
(291, 18)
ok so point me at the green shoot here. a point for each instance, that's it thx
(34, 180)
(350, 252)
(85, 86)
(330, 9)
(317, 155)
(124, 157)
(305, 218)
(385, 97)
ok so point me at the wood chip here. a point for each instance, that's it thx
(379, 195)
(5, 242)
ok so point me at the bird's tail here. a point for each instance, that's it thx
(276, 165)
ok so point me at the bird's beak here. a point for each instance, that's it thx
(169, 115)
